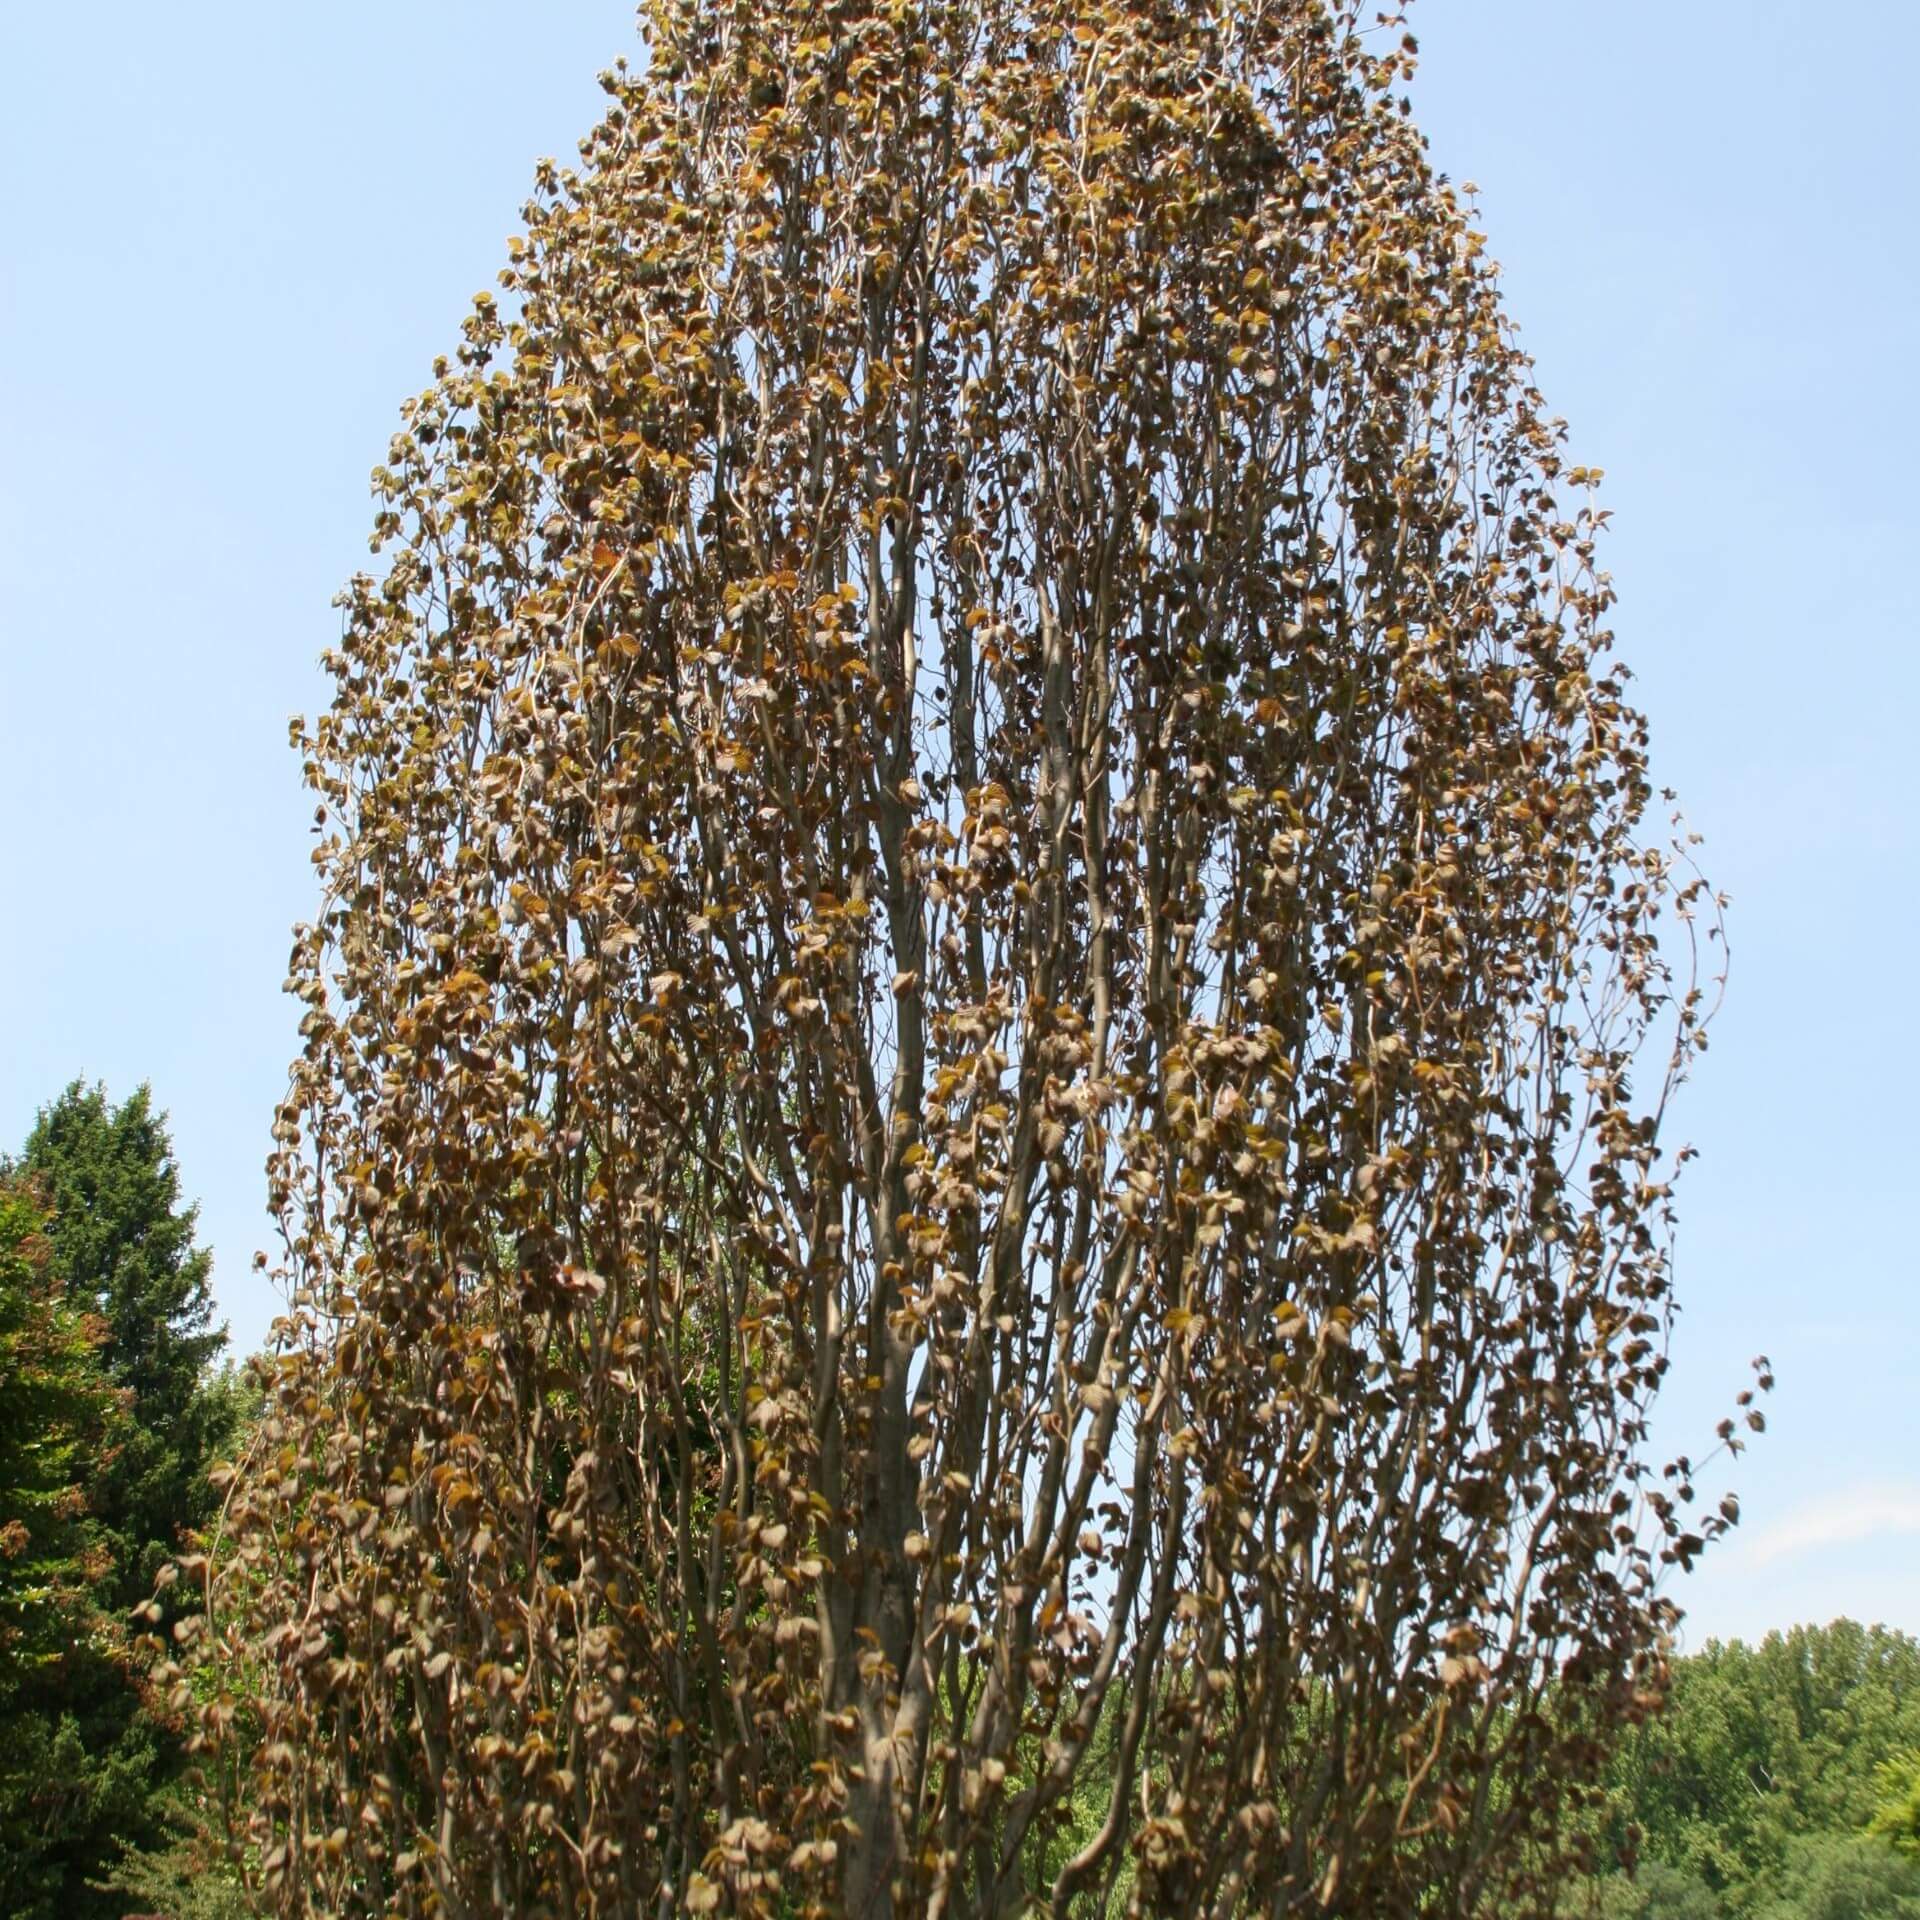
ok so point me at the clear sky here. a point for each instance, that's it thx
(234, 237)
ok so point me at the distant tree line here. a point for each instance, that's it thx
(1780, 1782)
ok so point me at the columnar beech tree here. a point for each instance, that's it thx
(975, 1191)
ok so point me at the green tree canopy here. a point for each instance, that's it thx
(1837, 1876)
(1764, 1752)
(1897, 1818)
(58, 1418)
(1656, 1892)
(76, 1760)
(109, 1420)
(123, 1242)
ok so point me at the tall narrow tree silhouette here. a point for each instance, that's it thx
(975, 1191)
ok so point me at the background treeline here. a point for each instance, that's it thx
(1780, 1781)
(113, 1406)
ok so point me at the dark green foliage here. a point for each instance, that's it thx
(77, 1757)
(108, 1424)
(58, 1417)
(79, 1770)
(188, 1877)
(123, 1242)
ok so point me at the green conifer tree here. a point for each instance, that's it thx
(78, 1758)
(123, 1242)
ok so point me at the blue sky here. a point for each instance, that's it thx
(236, 236)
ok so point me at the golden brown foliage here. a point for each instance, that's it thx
(968, 1081)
